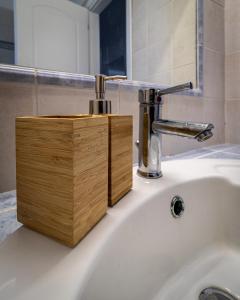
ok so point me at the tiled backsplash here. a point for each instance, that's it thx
(232, 65)
(36, 93)
(164, 35)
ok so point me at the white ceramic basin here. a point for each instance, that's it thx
(139, 251)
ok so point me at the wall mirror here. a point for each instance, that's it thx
(152, 41)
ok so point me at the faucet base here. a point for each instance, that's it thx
(151, 175)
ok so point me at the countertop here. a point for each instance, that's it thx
(9, 223)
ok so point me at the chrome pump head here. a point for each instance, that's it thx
(100, 105)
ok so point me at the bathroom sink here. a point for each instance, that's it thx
(231, 171)
(141, 250)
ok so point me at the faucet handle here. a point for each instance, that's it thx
(176, 89)
(154, 96)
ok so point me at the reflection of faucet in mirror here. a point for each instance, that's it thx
(151, 126)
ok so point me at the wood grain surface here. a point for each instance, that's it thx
(62, 174)
(120, 157)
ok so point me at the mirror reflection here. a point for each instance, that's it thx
(147, 40)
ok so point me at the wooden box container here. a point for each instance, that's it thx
(120, 157)
(62, 174)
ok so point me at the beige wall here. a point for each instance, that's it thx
(232, 65)
(164, 41)
(38, 98)
(210, 107)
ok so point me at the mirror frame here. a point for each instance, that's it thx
(27, 74)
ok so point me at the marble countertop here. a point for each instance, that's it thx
(8, 221)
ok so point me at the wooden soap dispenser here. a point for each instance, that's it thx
(120, 127)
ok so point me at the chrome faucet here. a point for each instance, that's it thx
(151, 126)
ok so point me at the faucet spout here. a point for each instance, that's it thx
(199, 131)
(152, 126)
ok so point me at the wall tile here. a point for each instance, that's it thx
(232, 67)
(232, 26)
(214, 26)
(140, 35)
(173, 145)
(232, 32)
(69, 100)
(164, 77)
(139, 71)
(214, 112)
(157, 20)
(156, 6)
(138, 8)
(15, 100)
(184, 74)
(53, 100)
(232, 108)
(180, 108)
(158, 59)
(184, 47)
(183, 108)
(170, 40)
(232, 11)
(195, 109)
(220, 2)
(213, 74)
(184, 32)
(139, 24)
(183, 13)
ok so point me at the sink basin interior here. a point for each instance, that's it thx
(230, 171)
(155, 256)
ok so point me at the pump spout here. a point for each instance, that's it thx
(101, 105)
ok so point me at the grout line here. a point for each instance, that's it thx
(229, 99)
(231, 53)
(211, 152)
(223, 149)
(214, 51)
(220, 3)
(218, 151)
(205, 155)
(231, 147)
(232, 153)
